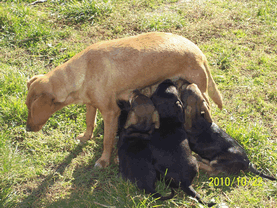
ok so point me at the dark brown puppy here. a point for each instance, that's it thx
(169, 144)
(219, 152)
(135, 157)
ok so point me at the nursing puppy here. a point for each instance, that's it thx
(169, 143)
(218, 151)
(135, 157)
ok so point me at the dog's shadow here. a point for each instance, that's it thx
(37, 194)
(86, 184)
(84, 181)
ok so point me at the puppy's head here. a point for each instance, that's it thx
(142, 115)
(40, 103)
(167, 102)
(195, 107)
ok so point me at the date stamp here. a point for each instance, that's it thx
(240, 181)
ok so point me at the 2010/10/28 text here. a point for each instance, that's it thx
(240, 181)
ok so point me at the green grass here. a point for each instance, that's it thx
(51, 169)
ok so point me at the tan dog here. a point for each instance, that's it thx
(109, 71)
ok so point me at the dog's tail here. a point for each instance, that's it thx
(212, 88)
(252, 169)
(191, 192)
(163, 198)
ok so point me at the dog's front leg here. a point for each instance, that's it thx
(91, 121)
(110, 129)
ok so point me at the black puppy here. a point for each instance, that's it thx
(169, 143)
(135, 157)
(218, 151)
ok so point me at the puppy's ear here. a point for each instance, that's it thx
(156, 119)
(34, 78)
(188, 118)
(42, 108)
(207, 114)
(131, 119)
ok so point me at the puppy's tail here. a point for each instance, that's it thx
(190, 191)
(212, 88)
(252, 169)
(163, 198)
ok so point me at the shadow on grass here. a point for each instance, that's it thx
(87, 181)
(49, 181)
(90, 188)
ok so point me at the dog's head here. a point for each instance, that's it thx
(196, 108)
(167, 102)
(40, 102)
(142, 115)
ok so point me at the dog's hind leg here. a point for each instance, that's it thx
(206, 166)
(91, 122)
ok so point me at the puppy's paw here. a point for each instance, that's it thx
(83, 138)
(101, 163)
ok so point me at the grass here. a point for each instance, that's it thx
(51, 169)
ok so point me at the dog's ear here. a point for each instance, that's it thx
(34, 78)
(188, 118)
(131, 119)
(207, 114)
(42, 108)
(156, 119)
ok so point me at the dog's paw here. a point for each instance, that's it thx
(83, 138)
(100, 163)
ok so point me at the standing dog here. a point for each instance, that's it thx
(169, 143)
(135, 157)
(218, 151)
(109, 71)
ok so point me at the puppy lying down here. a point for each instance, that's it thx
(218, 151)
(169, 144)
(135, 157)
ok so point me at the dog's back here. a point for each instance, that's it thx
(172, 155)
(208, 140)
(169, 143)
(135, 156)
(135, 161)
(136, 125)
